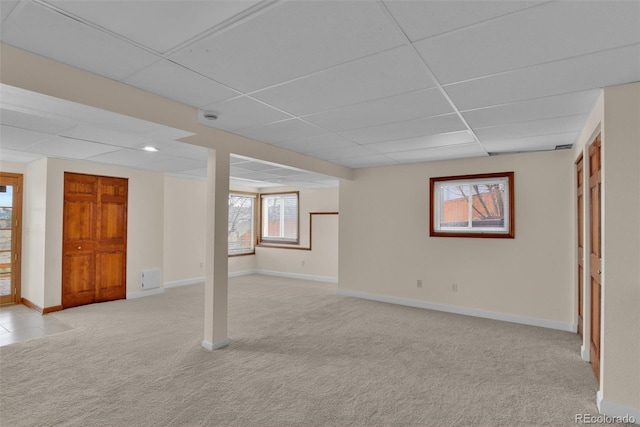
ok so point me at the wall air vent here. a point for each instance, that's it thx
(564, 147)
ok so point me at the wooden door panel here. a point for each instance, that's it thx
(580, 210)
(595, 328)
(78, 220)
(78, 278)
(110, 282)
(80, 185)
(113, 220)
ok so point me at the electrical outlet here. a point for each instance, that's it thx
(454, 287)
(303, 263)
(419, 283)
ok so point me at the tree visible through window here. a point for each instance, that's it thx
(241, 234)
(279, 217)
(472, 205)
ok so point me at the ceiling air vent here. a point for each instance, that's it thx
(564, 147)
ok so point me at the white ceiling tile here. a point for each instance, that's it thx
(429, 141)
(35, 122)
(7, 155)
(178, 149)
(283, 172)
(439, 153)
(532, 128)
(235, 170)
(534, 109)
(6, 6)
(366, 161)
(241, 112)
(57, 109)
(309, 176)
(421, 19)
(385, 74)
(406, 129)
(57, 146)
(259, 176)
(19, 139)
(285, 130)
(289, 41)
(40, 30)
(424, 103)
(341, 153)
(570, 75)
(570, 28)
(201, 173)
(177, 165)
(180, 84)
(315, 143)
(155, 27)
(129, 157)
(533, 143)
(255, 166)
(235, 159)
(103, 136)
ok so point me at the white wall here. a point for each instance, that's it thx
(185, 204)
(621, 247)
(321, 263)
(12, 167)
(145, 222)
(385, 245)
(615, 117)
(34, 214)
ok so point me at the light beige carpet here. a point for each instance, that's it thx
(299, 356)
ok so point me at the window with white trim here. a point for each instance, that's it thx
(473, 206)
(241, 230)
(279, 218)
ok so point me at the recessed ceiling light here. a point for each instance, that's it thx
(150, 148)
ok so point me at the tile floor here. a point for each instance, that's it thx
(19, 323)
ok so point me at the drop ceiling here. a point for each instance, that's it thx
(355, 83)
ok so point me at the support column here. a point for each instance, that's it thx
(216, 281)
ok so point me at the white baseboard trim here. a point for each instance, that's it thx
(184, 282)
(584, 352)
(326, 279)
(242, 273)
(156, 291)
(513, 318)
(628, 414)
(215, 345)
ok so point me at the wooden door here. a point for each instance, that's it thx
(595, 250)
(580, 209)
(111, 250)
(94, 239)
(10, 236)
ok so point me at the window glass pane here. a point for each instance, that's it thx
(488, 205)
(280, 217)
(5, 218)
(241, 230)
(455, 206)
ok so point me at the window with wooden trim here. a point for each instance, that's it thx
(279, 218)
(241, 230)
(473, 206)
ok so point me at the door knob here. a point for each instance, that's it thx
(79, 247)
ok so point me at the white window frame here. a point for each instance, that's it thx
(264, 224)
